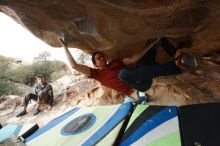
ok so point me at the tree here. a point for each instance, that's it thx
(83, 58)
(42, 57)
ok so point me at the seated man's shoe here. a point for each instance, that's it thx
(35, 111)
(20, 114)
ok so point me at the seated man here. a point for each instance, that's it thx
(117, 76)
(43, 94)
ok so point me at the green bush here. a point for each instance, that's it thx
(22, 74)
(26, 74)
(4, 67)
(6, 86)
(9, 88)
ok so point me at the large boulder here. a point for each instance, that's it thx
(118, 27)
(121, 28)
(191, 87)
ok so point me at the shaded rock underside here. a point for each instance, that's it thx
(118, 27)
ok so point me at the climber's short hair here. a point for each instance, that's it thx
(93, 56)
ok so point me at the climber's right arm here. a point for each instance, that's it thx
(79, 67)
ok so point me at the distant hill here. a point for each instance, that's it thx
(14, 62)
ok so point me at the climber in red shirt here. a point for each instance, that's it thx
(118, 76)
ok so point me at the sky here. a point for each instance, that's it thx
(17, 42)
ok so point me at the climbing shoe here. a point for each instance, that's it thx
(189, 61)
(186, 60)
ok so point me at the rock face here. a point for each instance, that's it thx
(118, 27)
(191, 87)
(121, 28)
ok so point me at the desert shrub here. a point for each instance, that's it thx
(22, 74)
(9, 88)
(26, 74)
(6, 87)
(4, 67)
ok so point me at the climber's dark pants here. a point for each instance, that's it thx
(141, 77)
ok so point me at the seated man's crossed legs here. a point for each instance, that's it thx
(41, 98)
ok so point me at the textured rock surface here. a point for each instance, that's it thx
(191, 87)
(116, 26)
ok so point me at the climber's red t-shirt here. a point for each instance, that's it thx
(109, 77)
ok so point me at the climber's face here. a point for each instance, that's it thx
(100, 61)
